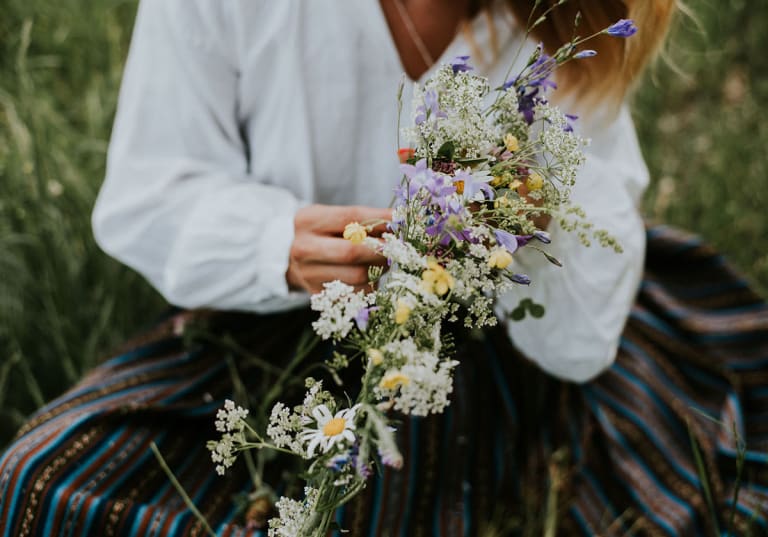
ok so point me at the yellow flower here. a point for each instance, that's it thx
(375, 356)
(393, 379)
(402, 311)
(497, 180)
(436, 279)
(500, 258)
(535, 181)
(355, 233)
(502, 201)
(511, 142)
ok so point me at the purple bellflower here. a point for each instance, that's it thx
(459, 65)
(585, 54)
(449, 224)
(430, 108)
(522, 279)
(415, 177)
(508, 240)
(533, 83)
(439, 187)
(622, 28)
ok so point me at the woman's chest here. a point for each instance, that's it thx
(318, 101)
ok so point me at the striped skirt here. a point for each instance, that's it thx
(671, 440)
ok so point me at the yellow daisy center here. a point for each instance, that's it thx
(334, 427)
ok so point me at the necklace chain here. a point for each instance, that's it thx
(415, 37)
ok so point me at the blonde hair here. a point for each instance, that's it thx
(609, 75)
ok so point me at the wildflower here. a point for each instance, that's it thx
(436, 279)
(375, 356)
(223, 452)
(355, 233)
(404, 154)
(230, 418)
(393, 379)
(622, 28)
(534, 182)
(230, 421)
(542, 236)
(500, 258)
(387, 446)
(473, 183)
(402, 311)
(339, 305)
(362, 317)
(507, 240)
(429, 108)
(511, 142)
(585, 54)
(497, 181)
(293, 515)
(459, 65)
(331, 429)
(522, 279)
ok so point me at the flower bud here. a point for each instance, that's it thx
(355, 233)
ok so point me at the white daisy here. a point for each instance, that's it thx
(330, 429)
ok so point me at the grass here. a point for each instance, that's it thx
(64, 304)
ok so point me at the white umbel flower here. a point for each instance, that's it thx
(230, 421)
(330, 429)
(338, 304)
(295, 516)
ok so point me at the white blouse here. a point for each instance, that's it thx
(235, 113)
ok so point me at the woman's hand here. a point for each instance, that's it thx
(319, 254)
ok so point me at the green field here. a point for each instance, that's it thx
(64, 304)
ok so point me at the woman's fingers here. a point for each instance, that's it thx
(319, 254)
(319, 249)
(317, 274)
(331, 219)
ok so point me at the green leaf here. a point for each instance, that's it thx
(446, 150)
(536, 311)
(471, 161)
(517, 314)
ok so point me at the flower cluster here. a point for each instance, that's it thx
(476, 182)
(230, 421)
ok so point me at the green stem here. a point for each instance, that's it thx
(180, 489)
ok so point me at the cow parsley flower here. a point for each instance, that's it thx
(338, 305)
(294, 516)
(230, 421)
(421, 385)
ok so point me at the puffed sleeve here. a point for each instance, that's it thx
(179, 203)
(588, 300)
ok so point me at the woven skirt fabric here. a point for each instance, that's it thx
(671, 440)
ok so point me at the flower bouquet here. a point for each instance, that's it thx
(478, 182)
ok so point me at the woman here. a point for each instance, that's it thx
(245, 131)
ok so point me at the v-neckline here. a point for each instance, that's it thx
(382, 26)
